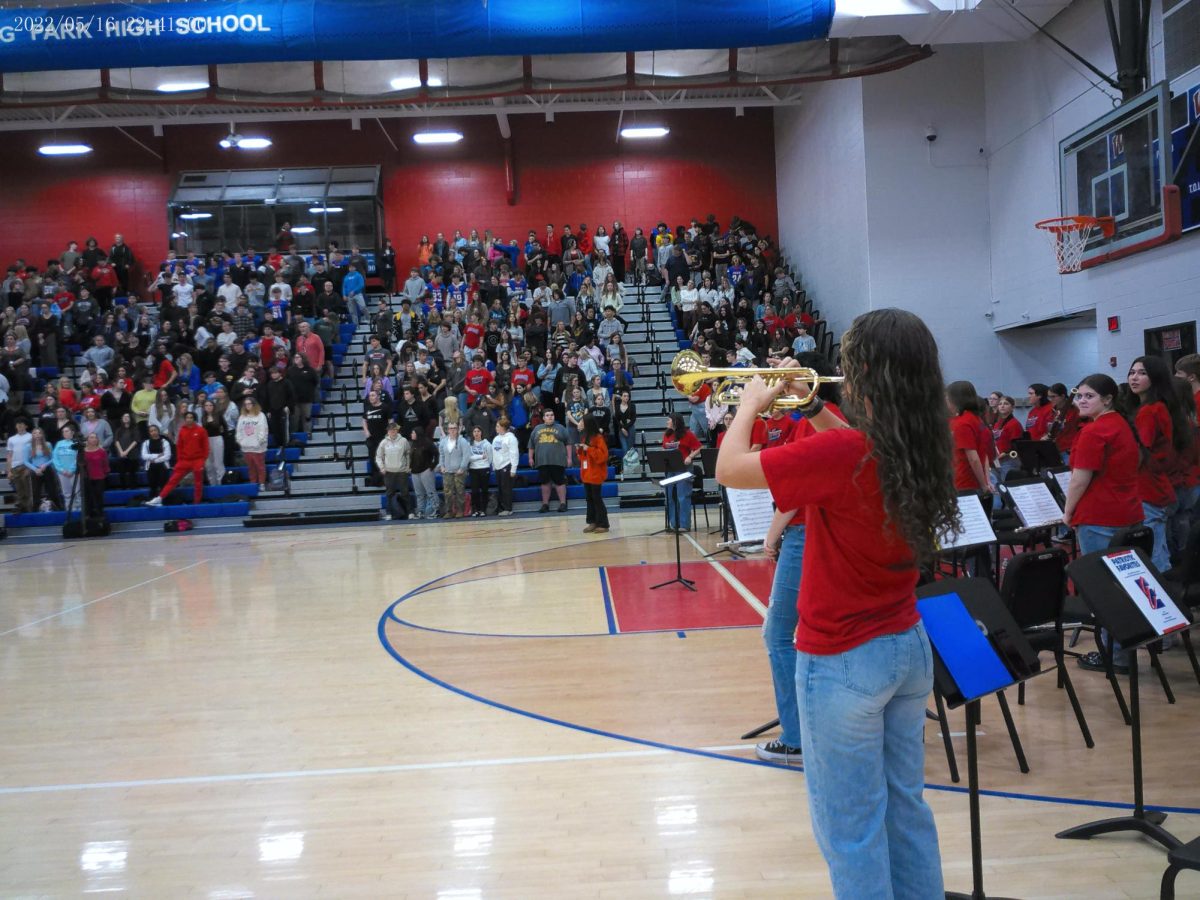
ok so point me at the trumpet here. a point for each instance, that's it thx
(688, 372)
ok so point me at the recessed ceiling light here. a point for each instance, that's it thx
(438, 137)
(179, 87)
(303, 229)
(324, 209)
(64, 149)
(648, 131)
(412, 82)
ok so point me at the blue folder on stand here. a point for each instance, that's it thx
(967, 654)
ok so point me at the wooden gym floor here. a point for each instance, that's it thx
(476, 710)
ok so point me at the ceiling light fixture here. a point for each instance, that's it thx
(412, 82)
(235, 140)
(180, 87)
(638, 132)
(64, 149)
(195, 215)
(438, 137)
(303, 229)
(324, 209)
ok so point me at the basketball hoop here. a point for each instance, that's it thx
(1069, 235)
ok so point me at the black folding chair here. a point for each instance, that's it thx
(1034, 588)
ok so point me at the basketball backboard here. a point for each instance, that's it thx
(1115, 166)
(1185, 118)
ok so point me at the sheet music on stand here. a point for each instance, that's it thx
(976, 529)
(1064, 480)
(1147, 594)
(1035, 505)
(752, 511)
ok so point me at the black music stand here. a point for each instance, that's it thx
(978, 649)
(683, 480)
(664, 464)
(1123, 607)
(1037, 455)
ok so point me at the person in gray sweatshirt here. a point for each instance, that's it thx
(454, 458)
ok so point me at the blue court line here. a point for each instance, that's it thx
(608, 607)
(381, 632)
(30, 556)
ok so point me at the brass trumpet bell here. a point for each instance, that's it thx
(688, 372)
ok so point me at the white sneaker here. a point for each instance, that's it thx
(155, 501)
(387, 517)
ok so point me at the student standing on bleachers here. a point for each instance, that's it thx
(251, 434)
(96, 474)
(19, 449)
(192, 454)
(66, 464)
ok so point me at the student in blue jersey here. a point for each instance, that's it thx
(354, 288)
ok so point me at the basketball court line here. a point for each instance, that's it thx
(742, 590)
(63, 612)
(356, 770)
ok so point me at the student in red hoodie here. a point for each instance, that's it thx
(191, 448)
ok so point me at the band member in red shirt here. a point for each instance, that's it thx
(1037, 420)
(875, 497)
(972, 453)
(1005, 430)
(679, 496)
(1064, 423)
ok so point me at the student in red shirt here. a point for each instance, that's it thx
(972, 454)
(1165, 432)
(678, 437)
(1064, 422)
(477, 380)
(1005, 430)
(192, 449)
(473, 334)
(523, 375)
(778, 429)
(785, 545)
(1102, 495)
(96, 474)
(875, 496)
(1037, 420)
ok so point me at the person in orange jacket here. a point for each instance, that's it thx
(191, 448)
(593, 472)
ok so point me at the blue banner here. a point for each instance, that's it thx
(123, 35)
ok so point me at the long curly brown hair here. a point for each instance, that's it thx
(895, 396)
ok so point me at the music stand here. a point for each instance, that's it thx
(977, 535)
(978, 649)
(1126, 595)
(663, 463)
(1037, 455)
(684, 479)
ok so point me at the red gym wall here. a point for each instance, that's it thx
(571, 170)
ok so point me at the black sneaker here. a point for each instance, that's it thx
(1094, 662)
(544, 508)
(562, 507)
(778, 751)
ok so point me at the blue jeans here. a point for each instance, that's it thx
(684, 493)
(779, 632)
(1186, 513)
(356, 305)
(862, 716)
(699, 422)
(1092, 538)
(1156, 521)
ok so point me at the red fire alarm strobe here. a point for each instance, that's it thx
(1114, 324)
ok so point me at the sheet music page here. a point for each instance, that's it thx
(1144, 590)
(976, 529)
(1035, 504)
(752, 512)
(1064, 480)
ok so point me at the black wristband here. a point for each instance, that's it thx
(814, 408)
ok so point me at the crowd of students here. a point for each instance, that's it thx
(194, 378)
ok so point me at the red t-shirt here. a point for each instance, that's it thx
(1153, 424)
(1004, 434)
(523, 375)
(477, 381)
(1070, 430)
(864, 581)
(804, 429)
(473, 335)
(1107, 449)
(779, 431)
(967, 432)
(164, 373)
(758, 434)
(686, 445)
(1038, 421)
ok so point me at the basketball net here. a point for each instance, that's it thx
(1069, 236)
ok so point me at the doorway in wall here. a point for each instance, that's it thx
(1171, 341)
